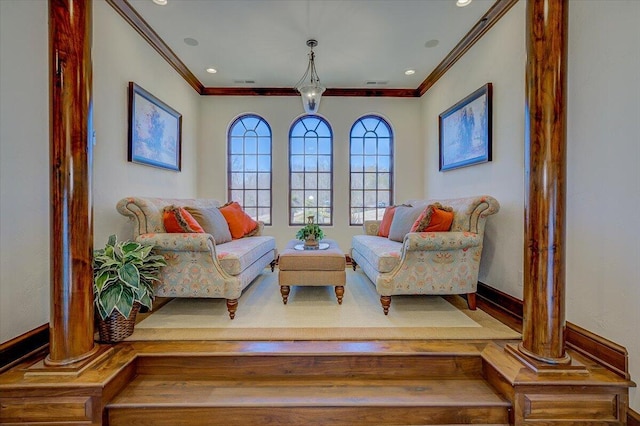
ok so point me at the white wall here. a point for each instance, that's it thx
(217, 113)
(120, 55)
(499, 58)
(603, 173)
(24, 167)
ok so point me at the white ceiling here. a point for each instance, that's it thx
(265, 40)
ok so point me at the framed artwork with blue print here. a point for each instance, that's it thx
(465, 131)
(155, 131)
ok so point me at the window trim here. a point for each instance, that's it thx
(331, 164)
(391, 165)
(235, 121)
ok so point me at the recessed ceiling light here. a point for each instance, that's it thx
(160, 2)
(191, 41)
(212, 70)
(463, 3)
(432, 43)
(409, 72)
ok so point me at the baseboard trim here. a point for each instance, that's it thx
(509, 310)
(27, 344)
(633, 418)
(605, 352)
(501, 305)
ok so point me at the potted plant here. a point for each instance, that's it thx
(311, 234)
(123, 277)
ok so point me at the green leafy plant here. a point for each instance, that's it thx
(310, 229)
(124, 273)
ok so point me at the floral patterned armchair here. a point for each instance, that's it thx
(434, 263)
(197, 266)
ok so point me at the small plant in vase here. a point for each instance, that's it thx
(123, 277)
(311, 234)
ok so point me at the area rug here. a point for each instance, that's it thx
(312, 313)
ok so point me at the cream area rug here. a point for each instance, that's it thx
(312, 313)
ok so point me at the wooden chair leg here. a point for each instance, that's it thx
(386, 303)
(471, 301)
(273, 265)
(353, 264)
(232, 307)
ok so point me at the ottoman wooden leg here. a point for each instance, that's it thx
(339, 293)
(386, 303)
(232, 307)
(284, 291)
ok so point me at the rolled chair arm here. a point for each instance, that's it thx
(260, 229)
(179, 241)
(415, 241)
(371, 227)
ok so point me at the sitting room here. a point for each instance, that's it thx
(523, 300)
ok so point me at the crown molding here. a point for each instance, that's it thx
(134, 19)
(493, 15)
(129, 14)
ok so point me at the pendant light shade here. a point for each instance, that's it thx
(309, 85)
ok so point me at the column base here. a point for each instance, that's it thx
(541, 366)
(72, 368)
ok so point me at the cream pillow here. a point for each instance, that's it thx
(213, 222)
(403, 220)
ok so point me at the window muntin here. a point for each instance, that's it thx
(310, 171)
(249, 166)
(370, 169)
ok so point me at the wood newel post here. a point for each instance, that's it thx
(545, 172)
(70, 89)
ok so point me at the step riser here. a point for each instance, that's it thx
(304, 416)
(234, 367)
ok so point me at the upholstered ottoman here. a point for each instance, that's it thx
(312, 267)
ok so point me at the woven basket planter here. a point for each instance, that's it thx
(116, 327)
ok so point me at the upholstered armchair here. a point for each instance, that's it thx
(434, 263)
(197, 265)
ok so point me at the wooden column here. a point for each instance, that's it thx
(71, 319)
(545, 170)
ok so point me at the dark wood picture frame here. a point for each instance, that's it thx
(465, 131)
(155, 131)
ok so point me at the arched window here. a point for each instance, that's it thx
(370, 169)
(310, 171)
(249, 167)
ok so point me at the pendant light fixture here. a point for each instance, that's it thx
(310, 90)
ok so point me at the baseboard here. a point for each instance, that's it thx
(605, 352)
(509, 310)
(633, 418)
(500, 305)
(18, 348)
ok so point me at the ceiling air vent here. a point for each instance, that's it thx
(376, 82)
(244, 81)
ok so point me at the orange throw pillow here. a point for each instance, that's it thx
(239, 222)
(434, 218)
(385, 225)
(178, 220)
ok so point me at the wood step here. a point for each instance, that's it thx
(149, 400)
(380, 366)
